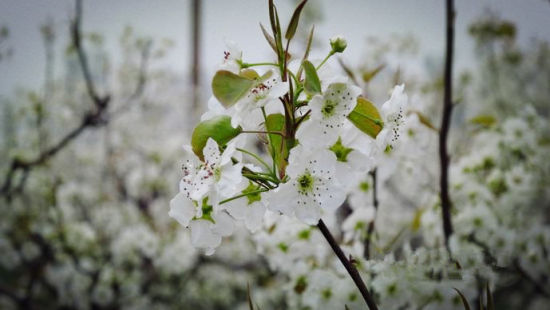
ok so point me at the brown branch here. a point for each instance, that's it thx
(82, 58)
(445, 125)
(195, 57)
(370, 229)
(140, 84)
(92, 118)
(350, 267)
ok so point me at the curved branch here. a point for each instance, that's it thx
(445, 125)
(350, 267)
(370, 229)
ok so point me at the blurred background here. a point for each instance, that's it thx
(91, 152)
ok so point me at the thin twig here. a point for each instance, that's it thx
(93, 118)
(370, 229)
(445, 125)
(195, 57)
(350, 267)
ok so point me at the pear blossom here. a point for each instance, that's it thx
(207, 224)
(355, 154)
(329, 113)
(216, 177)
(250, 208)
(393, 117)
(232, 57)
(266, 90)
(312, 188)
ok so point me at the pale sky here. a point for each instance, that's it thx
(238, 20)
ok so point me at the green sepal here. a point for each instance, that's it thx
(340, 150)
(218, 128)
(207, 210)
(365, 117)
(252, 193)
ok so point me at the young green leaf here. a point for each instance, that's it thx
(368, 75)
(293, 25)
(366, 118)
(312, 84)
(484, 120)
(229, 87)
(464, 300)
(269, 38)
(490, 302)
(424, 120)
(250, 306)
(276, 122)
(306, 53)
(218, 128)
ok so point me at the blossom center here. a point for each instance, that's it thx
(305, 183)
(328, 108)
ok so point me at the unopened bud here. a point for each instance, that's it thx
(338, 44)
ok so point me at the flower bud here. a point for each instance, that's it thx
(338, 44)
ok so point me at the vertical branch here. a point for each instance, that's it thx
(195, 57)
(445, 124)
(350, 267)
(370, 229)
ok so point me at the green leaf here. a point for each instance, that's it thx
(306, 53)
(312, 84)
(229, 87)
(278, 150)
(269, 38)
(417, 220)
(484, 120)
(249, 74)
(366, 118)
(293, 24)
(370, 74)
(490, 302)
(250, 306)
(424, 120)
(218, 128)
(464, 300)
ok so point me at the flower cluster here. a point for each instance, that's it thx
(317, 136)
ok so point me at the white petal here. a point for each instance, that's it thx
(312, 134)
(309, 213)
(182, 209)
(237, 208)
(202, 235)
(211, 152)
(224, 224)
(283, 199)
(255, 216)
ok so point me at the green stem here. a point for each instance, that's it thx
(324, 60)
(258, 158)
(260, 177)
(274, 168)
(264, 132)
(243, 195)
(245, 65)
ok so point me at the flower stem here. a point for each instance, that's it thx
(243, 195)
(264, 132)
(245, 65)
(350, 267)
(324, 60)
(258, 158)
